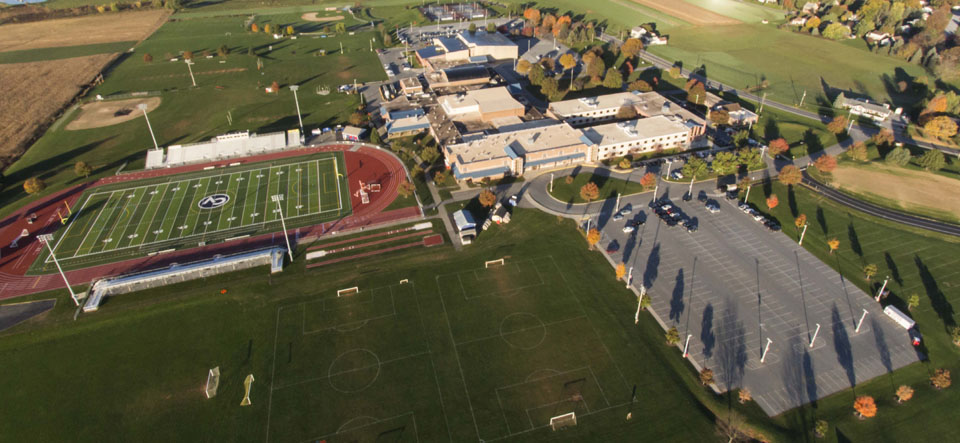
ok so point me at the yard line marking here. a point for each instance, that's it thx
(99, 213)
(156, 203)
(75, 219)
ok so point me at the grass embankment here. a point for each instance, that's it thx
(918, 262)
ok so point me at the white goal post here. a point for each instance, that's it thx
(489, 263)
(563, 421)
(348, 291)
(213, 381)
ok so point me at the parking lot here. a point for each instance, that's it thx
(733, 285)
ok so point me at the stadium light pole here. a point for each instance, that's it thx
(46, 239)
(190, 68)
(143, 107)
(279, 198)
(294, 88)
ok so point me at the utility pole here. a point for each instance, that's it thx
(143, 107)
(801, 98)
(294, 88)
(46, 239)
(747, 195)
(189, 68)
(279, 198)
(802, 234)
(762, 100)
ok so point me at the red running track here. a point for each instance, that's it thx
(371, 165)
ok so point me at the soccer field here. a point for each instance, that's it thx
(194, 209)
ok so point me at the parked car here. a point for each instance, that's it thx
(514, 199)
(713, 208)
(676, 175)
(627, 229)
(617, 217)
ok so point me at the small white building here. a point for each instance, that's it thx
(867, 108)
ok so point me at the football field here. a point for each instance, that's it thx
(198, 208)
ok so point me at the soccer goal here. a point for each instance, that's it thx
(213, 381)
(491, 263)
(563, 421)
(348, 291)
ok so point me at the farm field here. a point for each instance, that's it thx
(457, 352)
(689, 12)
(747, 12)
(135, 218)
(917, 262)
(79, 31)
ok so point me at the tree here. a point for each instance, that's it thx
(613, 79)
(34, 185)
(147, 58)
(532, 15)
(290, 30)
(405, 189)
(955, 335)
(640, 85)
(645, 302)
(589, 192)
(536, 74)
(430, 154)
(913, 301)
(833, 244)
(865, 406)
(826, 163)
(932, 160)
(858, 152)
(750, 158)
(899, 156)
(82, 169)
(904, 393)
(870, 270)
(549, 87)
(593, 237)
(621, 271)
(744, 395)
(523, 66)
(673, 336)
(706, 376)
(188, 55)
(772, 201)
(268, 29)
(472, 29)
(626, 112)
(820, 428)
(800, 221)
(941, 126)
(725, 162)
(732, 425)
(487, 198)
(439, 177)
(356, 118)
(812, 23)
(838, 125)
(778, 146)
(568, 179)
(340, 28)
(836, 31)
(631, 47)
(223, 50)
(375, 139)
(567, 61)
(940, 379)
(173, 4)
(741, 138)
(697, 94)
(885, 137)
(790, 175)
(720, 117)
(648, 180)
(624, 163)
(694, 167)
(254, 28)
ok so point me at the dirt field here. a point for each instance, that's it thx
(99, 114)
(312, 17)
(42, 89)
(688, 12)
(105, 28)
(911, 189)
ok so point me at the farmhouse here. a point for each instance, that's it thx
(638, 136)
(739, 116)
(866, 108)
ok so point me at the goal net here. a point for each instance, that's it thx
(213, 381)
(348, 291)
(563, 421)
(492, 263)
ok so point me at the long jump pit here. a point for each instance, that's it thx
(313, 17)
(99, 114)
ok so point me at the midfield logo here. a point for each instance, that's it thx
(213, 201)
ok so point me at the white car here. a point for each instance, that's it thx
(677, 175)
(758, 217)
(627, 229)
(513, 200)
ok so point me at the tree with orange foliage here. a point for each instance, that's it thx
(589, 192)
(800, 221)
(790, 175)
(865, 406)
(772, 201)
(826, 163)
(560, 22)
(532, 15)
(648, 180)
(778, 146)
(838, 124)
(834, 244)
(254, 28)
(593, 237)
(621, 270)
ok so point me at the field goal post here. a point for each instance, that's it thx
(489, 263)
(213, 382)
(563, 421)
(348, 291)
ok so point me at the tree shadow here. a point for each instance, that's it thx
(810, 378)
(792, 202)
(812, 141)
(892, 266)
(822, 220)
(854, 241)
(676, 301)
(794, 381)
(706, 331)
(653, 263)
(937, 300)
(841, 344)
(771, 130)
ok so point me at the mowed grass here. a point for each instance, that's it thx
(743, 56)
(743, 11)
(189, 114)
(613, 15)
(918, 262)
(608, 186)
(458, 353)
(140, 217)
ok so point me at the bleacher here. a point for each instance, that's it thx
(177, 273)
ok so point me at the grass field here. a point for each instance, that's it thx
(900, 188)
(139, 217)
(609, 187)
(457, 353)
(918, 262)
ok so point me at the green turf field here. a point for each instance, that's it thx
(140, 217)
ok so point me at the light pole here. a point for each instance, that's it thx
(190, 68)
(279, 198)
(765, 349)
(747, 195)
(802, 234)
(294, 88)
(814, 339)
(880, 293)
(686, 345)
(143, 107)
(46, 239)
(860, 323)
